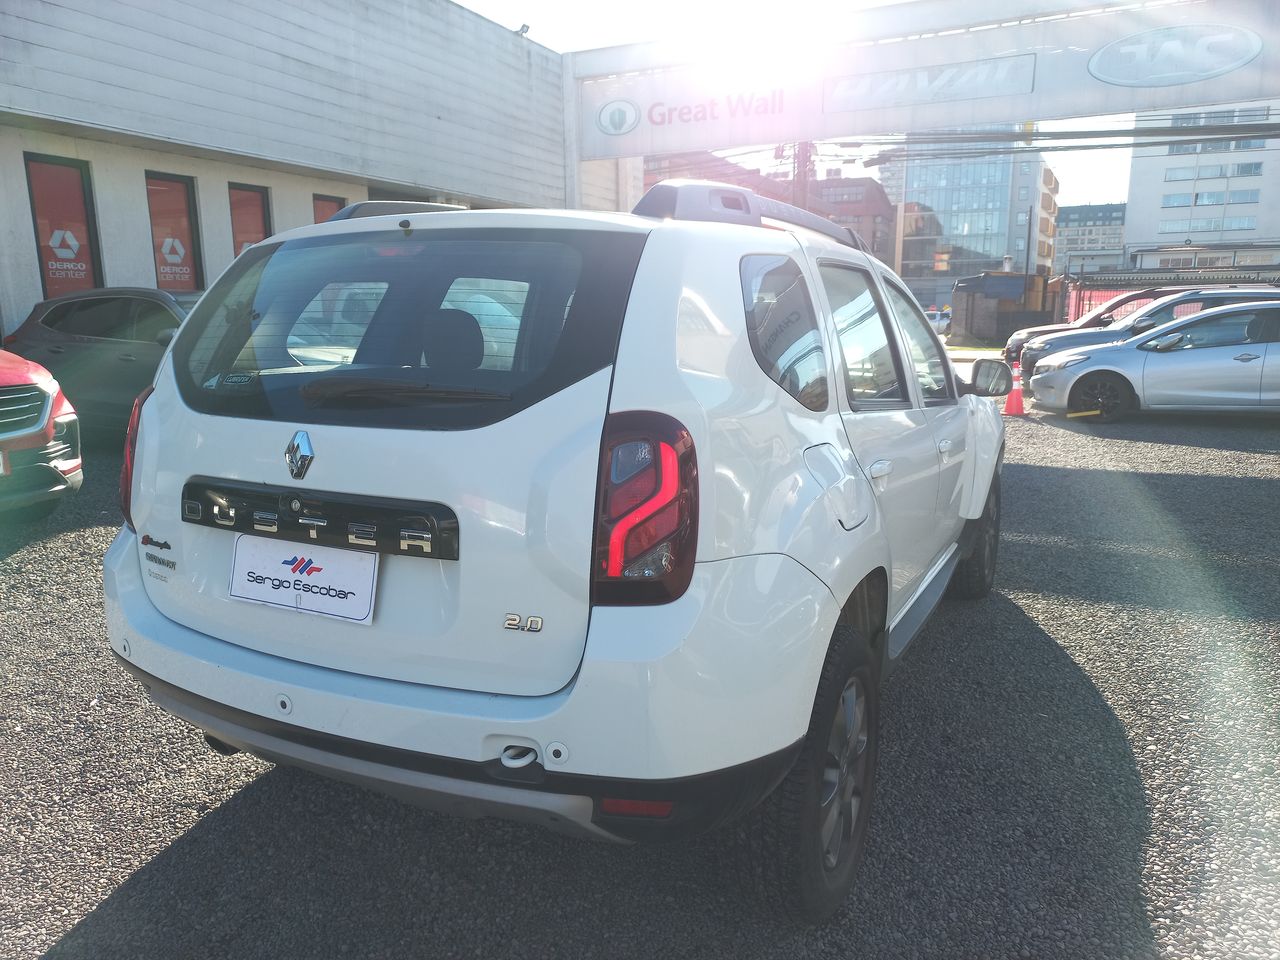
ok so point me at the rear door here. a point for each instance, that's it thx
(1217, 362)
(947, 418)
(887, 429)
(351, 470)
(135, 361)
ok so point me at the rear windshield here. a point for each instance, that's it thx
(439, 329)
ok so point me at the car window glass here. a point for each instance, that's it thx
(56, 318)
(150, 318)
(870, 364)
(1226, 331)
(106, 317)
(331, 327)
(497, 306)
(783, 329)
(925, 354)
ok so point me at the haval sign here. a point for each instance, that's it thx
(1175, 55)
(1036, 60)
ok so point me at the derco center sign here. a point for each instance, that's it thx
(1130, 60)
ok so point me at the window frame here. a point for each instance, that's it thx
(193, 213)
(340, 201)
(887, 321)
(1271, 329)
(90, 213)
(953, 393)
(267, 224)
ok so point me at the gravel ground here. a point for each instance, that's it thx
(1086, 764)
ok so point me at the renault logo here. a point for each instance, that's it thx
(298, 455)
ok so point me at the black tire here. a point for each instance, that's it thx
(975, 573)
(1106, 392)
(798, 869)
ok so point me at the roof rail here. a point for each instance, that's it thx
(388, 208)
(725, 203)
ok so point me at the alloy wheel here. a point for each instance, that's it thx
(844, 773)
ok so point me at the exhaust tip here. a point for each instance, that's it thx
(220, 746)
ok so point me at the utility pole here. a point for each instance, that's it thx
(1026, 270)
(800, 179)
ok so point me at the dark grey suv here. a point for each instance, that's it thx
(102, 345)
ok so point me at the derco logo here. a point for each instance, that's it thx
(1175, 55)
(172, 250)
(64, 244)
(301, 565)
(618, 117)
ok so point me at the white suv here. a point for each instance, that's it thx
(607, 522)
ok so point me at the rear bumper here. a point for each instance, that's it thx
(566, 803)
(702, 702)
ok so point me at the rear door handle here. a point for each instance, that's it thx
(57, 349)
(1246, 357)
(880, 469)
(944, 446)
(128, 357)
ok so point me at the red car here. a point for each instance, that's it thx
(39, 439)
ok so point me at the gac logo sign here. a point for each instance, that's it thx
(172, 250)
(1175, 55)
(64, 244)
(618, 117)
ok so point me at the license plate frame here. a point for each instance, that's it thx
(324, 581)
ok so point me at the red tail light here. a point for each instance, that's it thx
(647, 510)
(130, 447)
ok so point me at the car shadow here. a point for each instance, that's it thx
(1010, 817)
(1241, 433)
(96, 504)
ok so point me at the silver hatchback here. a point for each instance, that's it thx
(1227, 358)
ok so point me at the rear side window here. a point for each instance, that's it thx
(104, 317)
(783, 328)
(870, 362)
(443, 329)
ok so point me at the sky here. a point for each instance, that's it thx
(1093, 176)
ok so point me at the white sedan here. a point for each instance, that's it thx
(1227, 358)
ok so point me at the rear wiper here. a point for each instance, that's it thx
(322, 391)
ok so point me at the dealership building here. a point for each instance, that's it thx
(147, 144)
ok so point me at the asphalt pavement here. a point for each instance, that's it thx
(1084, 765)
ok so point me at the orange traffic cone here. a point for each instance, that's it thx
(1013, 403)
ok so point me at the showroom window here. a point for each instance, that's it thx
(250, 216)
(62, 214)
(322, 208)
(175, 231)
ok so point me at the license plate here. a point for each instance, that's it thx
(332, 583)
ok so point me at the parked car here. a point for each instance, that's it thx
(39, 441)
(1227, 358)
(1143, 319)
(1102, 315)
(939, 320)
(630, 563)
(102, 345)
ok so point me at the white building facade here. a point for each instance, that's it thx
(146, 144)
(1205, 204)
